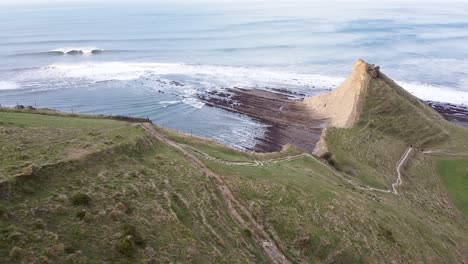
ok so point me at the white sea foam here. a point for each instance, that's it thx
(6, 85)
(196, 78)
(211, 74)
(193, 102)
(436, 93)
(85, 50)
(169, 102)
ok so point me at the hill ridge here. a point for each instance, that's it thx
(342, 106)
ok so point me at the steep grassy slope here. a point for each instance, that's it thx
(389, 121)
(317, 216)
(140, 199)
(32, 140)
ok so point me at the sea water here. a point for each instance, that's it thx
(151, 59)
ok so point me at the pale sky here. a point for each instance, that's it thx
(64, 2)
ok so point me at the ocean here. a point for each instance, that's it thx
(152, 59)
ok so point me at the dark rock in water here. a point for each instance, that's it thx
(454, 113)
(57, 53)
(176, 83)
(97, 51)
(75, 52)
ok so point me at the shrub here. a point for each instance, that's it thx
(125, 247)
(39, 224)
(81, 214)
(388, 234)
(3, 211)
(17, 253)
(247, 232)
(69, 250)
(131, 230)
(80, 199)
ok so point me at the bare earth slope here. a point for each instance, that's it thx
(342, 105)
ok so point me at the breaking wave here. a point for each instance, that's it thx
(186, 80)
(66, 51)
(4, 85)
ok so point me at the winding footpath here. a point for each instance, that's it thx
(246, 163)
(398, 166)
(439, 152)
(398, 169)
(237, 210)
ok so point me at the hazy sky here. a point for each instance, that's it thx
(55, 2)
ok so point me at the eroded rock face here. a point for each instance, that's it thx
(374, 71)
(341, 106)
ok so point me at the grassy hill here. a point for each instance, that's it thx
(131, 197)
(94, 189)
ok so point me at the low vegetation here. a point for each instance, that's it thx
(77, 189)
(454, 173)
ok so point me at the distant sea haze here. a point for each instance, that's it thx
(151, 60)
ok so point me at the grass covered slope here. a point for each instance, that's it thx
(29, 141)
(389, 121)
(138, 202)
(158, 196)
(454, 173)
(317, 216)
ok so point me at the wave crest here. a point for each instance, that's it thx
(5, 85)
(77, 51)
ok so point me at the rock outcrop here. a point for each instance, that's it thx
(341, 106)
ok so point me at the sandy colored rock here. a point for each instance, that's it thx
(321, 148)
(341, 106)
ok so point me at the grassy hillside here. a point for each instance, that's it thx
(134, 201)
(136, 197)
(31, 140)
(390, 121)
(454, 173)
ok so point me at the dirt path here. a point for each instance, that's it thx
(246, 163)
(367, 188)
(294, 157)
(398, 169)
(238, 211)
(440, 152)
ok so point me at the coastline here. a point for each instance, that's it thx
(288, 121)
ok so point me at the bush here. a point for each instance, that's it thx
(3, 211)
(81, 199)
(81, 214)
(131, 230)
(247, 232)
(69, 249)
(39, 224)
(17, 253)
(388, 234)
(125, 247)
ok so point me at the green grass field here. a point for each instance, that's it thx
(454, 173)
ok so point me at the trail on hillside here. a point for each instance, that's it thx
(440, 152)
(398, 169)
(239, 212)
(294, 157)
(246, 163)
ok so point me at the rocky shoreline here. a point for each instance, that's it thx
(287, 120)
(454, 113)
